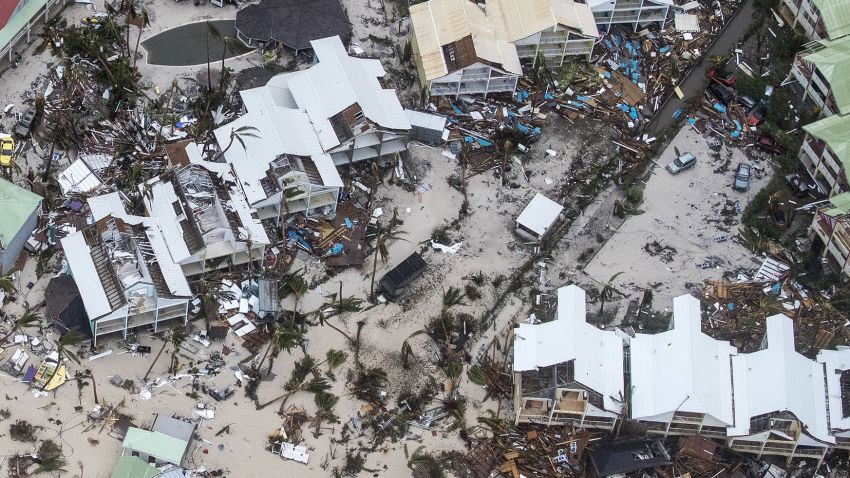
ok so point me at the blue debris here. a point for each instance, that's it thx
(664, 49)
(719, 107)
(692, 120)
(456, 110)
(336, 249)
(548, 96)
(484, 142)
(607, 74)
(348, 223)
(623, 107)
(608, 44)
(633, 113)
(677, 113)
(583, 98)
(735, 134)
(468, 139)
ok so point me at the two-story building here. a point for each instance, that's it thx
(831, 231)
(124, 272)
(633, 13)
(205, 218)
(823, 72)
(301, 126)
(818, 19)
(463, 47)
(825, 153)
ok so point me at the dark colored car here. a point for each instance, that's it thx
(747, 102)
(25, 124)
(742, 177)
(720, 93)
(768, 144)
(796, 183)
(721, 76)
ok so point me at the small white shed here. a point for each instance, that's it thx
(538, 217)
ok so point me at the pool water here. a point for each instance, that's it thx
(187, 44)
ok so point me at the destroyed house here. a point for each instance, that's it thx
(568, 371)
(206, 221)
(291, 23)
(125, 274)
(301, 126)
(780, 401)
(681, 379)
(823, 72)
(633, 13)
(818, 19)
(462, 47)
(825, 153)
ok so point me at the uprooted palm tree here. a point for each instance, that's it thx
(607, 292)
(239, 134)
(285, 337)
(385, 236)
(325, 403)
(420, 460)
(71, 337)
(211, 292)
(7, 284)
(176, 339)
(28, 319)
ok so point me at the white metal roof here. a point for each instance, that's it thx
(105, 205)
(540, 214)
(835, 362)
(598, 354)
(292, 114)
(426, 120)
(78, 177)
(159, 203)
(777, 379)
(78, 255)
(682, 369)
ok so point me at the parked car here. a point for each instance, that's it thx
(721, 76)
(747, 102)
(25, 124)
(7, 149)
(768, 144)
(720, 93)
(682, 163)
(97, 20)
(796, 183)
(742, 177)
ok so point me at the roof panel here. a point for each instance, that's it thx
(540, 214)
(18, 205)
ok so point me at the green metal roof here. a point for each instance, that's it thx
(19, 21)
(836, 17)
(16, 205)
(133, 467)
(835, 132)
(157, 444)
(833, 61)
(840, 205)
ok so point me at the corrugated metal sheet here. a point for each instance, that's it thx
(79, 259)
(78, 178)
(686, 22)
(540, 214)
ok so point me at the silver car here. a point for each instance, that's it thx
(682, 163)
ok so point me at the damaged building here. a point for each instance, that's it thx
(568, 371)
(206, 221)
(773, 401)
(462, 47)
(124, 271)
(301, 126)
(634, 14)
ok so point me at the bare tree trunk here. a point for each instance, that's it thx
(145, 378)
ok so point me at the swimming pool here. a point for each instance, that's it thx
(186, 45)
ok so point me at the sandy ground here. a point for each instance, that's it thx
(489, 247)
(683, 212)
